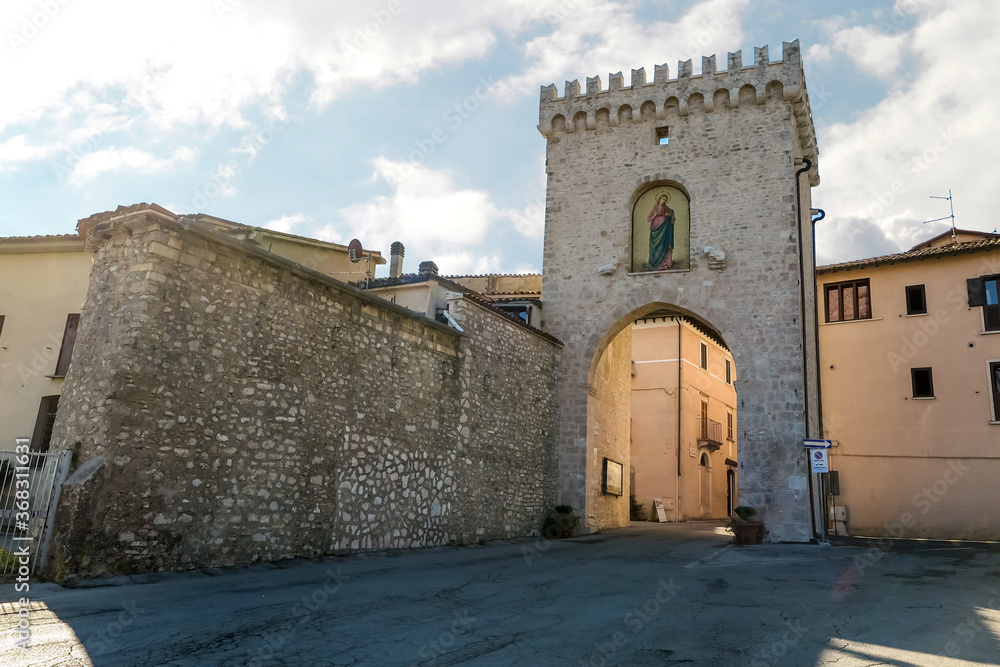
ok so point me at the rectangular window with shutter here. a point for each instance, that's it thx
(704, 356)
(66, 351)
(984, 292)
(995, 388)
(847, 301)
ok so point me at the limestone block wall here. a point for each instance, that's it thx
(610, 429)
(734, 137)
(249, 409)
(507, 424)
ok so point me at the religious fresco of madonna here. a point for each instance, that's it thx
(661, 231)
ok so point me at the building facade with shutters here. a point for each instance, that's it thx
(44, 281)
(910, 368)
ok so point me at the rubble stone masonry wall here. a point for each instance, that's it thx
(225, 406)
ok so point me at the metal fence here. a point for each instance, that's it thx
(29, 492)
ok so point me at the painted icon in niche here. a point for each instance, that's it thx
(661, 231)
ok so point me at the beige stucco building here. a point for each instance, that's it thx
(44, 281)
(44, 285)
(698, 479)
(910, 357)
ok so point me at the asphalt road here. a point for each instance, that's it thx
(646, 595)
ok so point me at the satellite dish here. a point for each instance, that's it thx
(354, 251)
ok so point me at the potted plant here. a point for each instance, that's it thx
(560, 523)
(746, 529)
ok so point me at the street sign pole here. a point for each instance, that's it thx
(818, 464)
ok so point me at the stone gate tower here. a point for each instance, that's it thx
(734, 151)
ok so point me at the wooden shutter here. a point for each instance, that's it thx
(69, 339)
(977, 292)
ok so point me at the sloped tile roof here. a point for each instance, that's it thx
(918, 253)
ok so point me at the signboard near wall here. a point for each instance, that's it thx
(661, 513)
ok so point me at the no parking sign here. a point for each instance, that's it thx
(818, 460)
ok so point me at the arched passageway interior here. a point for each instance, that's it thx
(663, 403)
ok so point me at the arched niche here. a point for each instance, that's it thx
(661, 228)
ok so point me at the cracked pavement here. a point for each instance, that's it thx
(650, 594)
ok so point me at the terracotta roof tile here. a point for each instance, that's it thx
(918, 253)
(40, 237)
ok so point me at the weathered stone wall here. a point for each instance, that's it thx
(248, 409)
(610, 425)
(734, 137)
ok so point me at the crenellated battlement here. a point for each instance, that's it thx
(708, 92)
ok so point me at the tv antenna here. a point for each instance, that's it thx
(951, 203)
(356, 253)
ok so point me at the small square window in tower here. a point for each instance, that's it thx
(916, 300)
(662, 136)
(923, 383)
(704, 356)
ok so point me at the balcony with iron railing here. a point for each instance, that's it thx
(710, 434)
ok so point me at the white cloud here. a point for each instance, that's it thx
(287, 223)
(529, 221)
(922, 139)
(186, 63)
(19, 149)
(113, 159)
(607, 37)
(433, 217)
(872, 50)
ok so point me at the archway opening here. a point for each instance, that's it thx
(663, 403)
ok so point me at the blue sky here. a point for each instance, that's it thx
(416, 121)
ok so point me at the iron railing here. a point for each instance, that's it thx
(29, 491)
(711, 431)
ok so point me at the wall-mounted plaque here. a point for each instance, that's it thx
(614, 483)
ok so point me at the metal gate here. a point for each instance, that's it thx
(29, 493)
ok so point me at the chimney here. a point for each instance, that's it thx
(428, 268)
(396, 259)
